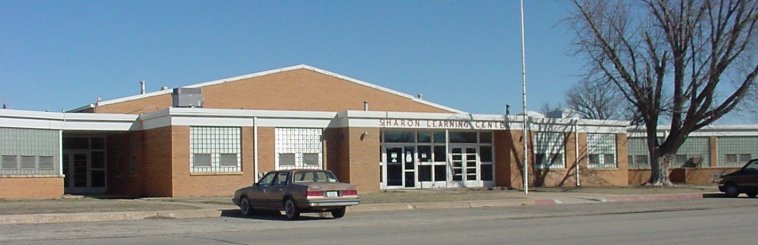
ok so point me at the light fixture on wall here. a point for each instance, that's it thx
(364, 134)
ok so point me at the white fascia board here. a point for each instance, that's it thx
(711, 130)
(249, 113)
(235, 118)
(66, 121)
(263, 73)
(411, 120)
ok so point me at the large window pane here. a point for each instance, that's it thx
(463, 137)
(424, 137)
(439, 153)
(287, 159)
(440, 172)
(424, 153)
(486, 172)
(28, 162)
(485, 137)
(399, 137)
(228, 159)
(10, 162)
(202, 160)
(425, 173)
(485, 153)
(311, 159)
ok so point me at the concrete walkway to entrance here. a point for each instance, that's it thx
(90, 209)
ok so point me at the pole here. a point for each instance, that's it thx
(576, 151)
(524, 133)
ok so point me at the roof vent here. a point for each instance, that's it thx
(187, 97)
(142, 89)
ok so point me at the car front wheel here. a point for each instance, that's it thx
(290, 209)
(751, 194)
(338, 212)
(245, 207)
(731, 190)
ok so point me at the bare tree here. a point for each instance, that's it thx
(685, 62)
(548, 107)
(596, 100)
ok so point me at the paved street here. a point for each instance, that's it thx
(697, 221)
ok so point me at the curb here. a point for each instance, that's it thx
(658, 197)
(107, 216)
(440, 205)
(382, 207)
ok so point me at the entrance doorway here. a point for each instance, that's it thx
(400, 166)
(84, 165)
(464, 165)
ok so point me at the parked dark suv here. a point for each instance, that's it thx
(744, 180)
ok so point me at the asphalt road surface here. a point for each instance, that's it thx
(701, 221)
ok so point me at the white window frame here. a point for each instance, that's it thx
(299, 141)
(601, 145)
(215, 141)
(549, 144)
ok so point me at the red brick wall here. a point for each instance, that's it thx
(505, 159)
(300, 89)
(157, 167)
(31, 188)
(364, 158)
(121, 180)
(267, 149)
(185, 183)
(337, 152)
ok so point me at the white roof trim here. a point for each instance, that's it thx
(263, 73)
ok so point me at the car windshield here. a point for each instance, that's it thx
(315, 176)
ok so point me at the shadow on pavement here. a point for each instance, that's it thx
(272, 215)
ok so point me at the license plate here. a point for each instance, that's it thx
(331, 194)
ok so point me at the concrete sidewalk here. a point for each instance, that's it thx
(92, 210)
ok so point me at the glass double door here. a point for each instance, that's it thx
(402, 169)
(84, 172)
(464, 166)
(400, 166)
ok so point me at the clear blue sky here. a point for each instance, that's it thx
(59, 55)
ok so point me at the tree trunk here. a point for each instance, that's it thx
(659, 173)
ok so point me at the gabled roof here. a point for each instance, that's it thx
(263, 73)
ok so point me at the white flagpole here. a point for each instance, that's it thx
(524, 133)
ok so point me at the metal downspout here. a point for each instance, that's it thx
(255, 148)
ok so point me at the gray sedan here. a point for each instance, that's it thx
(297, 191)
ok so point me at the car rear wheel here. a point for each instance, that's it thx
(290, 209)
(731, 190)
(245, 207)
(338, 212)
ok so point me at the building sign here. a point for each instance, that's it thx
(441, 124)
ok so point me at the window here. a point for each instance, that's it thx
(315, 176)
(548, 150)
(601, 150)
(311, 159)
(399, 137)
(267, 180)
(281, 178)
(299, 148)
(29, 151)
(735, 151)
(10, 162)
(215, 149)
(45, 163)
